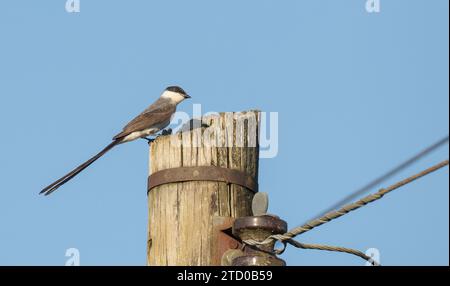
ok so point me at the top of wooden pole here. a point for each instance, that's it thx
(183, 215)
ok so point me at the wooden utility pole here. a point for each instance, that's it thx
(197, 178)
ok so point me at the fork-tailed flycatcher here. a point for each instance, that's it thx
(153, 119)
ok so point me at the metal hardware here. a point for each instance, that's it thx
(202, 173)
(258, 228)
(227, 245)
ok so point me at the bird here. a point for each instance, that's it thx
(153, 119)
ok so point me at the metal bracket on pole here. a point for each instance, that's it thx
(202, 173)
(228, 247)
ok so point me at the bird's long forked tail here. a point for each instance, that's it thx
(58, 183)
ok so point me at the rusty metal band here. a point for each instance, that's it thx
(202, 173)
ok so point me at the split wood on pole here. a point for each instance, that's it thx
(184, 203)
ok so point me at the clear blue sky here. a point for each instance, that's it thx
(357, 93)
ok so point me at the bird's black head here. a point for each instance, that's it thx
(178, 90)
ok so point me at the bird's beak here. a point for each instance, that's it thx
(187, 96)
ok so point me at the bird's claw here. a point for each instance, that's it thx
(149, 140)
(164, 132)
(167, 131)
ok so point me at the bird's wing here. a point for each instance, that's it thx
(157, 114)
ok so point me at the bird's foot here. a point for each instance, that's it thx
(149, 140)
(164, 132)
(167, 131)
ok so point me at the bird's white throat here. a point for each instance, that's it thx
(174, 97)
